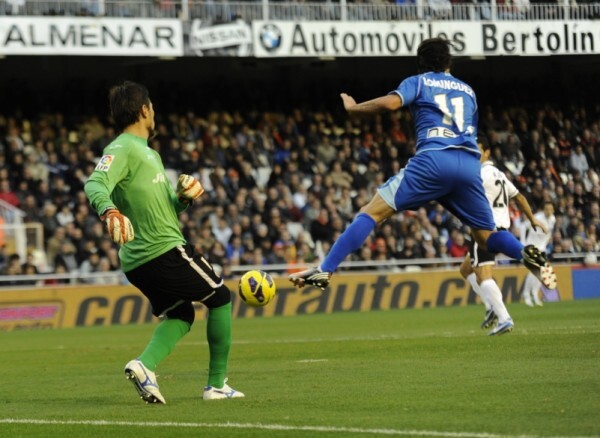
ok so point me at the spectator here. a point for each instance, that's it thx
(49, 220)
(235, 249)
(340, 177)
(65, 216)
(12, 266)
(410, 249)
(277, 257)
(90, 266)
(222, 231)
(66, 257)
(578, 161)
(458, 247)
(104, 267)
(319, 227)
(29, 267)
(7, 195)
(35, 169)
(31, 209)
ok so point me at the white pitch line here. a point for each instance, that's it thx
(327, 429)
(312, 360)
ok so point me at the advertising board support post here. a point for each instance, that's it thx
(185, 10)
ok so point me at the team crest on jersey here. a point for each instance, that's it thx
(104, 163)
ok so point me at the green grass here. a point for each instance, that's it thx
(403, 370)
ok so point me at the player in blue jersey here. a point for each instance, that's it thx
(446, 167)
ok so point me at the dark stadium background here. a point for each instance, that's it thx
(78, 85)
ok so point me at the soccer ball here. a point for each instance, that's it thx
(256, 288)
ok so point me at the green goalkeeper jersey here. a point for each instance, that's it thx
(131, 177)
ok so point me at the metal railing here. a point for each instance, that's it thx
(281, 270)
(224, 11)
(13, 235)
(21, 238)
(10, 214)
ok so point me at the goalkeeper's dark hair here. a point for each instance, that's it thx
(434, 55)
(126, 101)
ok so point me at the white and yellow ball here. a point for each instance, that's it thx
(256, 288)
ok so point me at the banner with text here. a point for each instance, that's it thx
(204, 38)
(387, 38)
(82, 306)
(90, 36)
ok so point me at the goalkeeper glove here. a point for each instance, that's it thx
(119, 227)
(188, 188)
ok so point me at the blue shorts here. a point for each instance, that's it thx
(450, 176)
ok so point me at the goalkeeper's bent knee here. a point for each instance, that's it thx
(185, 312)
(221, 297)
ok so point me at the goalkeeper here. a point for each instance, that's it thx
(130, 191)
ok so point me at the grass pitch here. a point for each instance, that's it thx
(428, 372)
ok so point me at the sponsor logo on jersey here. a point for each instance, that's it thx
(159, 178)
(104, 163)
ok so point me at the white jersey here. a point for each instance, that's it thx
(498, 190)
(539, 238)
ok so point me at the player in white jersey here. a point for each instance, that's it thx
(531, 288)
(477, 266)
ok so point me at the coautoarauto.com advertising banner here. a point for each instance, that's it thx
(385, 38)
(83, 306)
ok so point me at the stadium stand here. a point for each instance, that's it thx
(282, 185)
(357, 10)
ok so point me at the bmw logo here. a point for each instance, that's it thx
(270, 37)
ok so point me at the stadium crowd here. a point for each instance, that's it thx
(280, 187)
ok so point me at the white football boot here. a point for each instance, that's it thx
(500, 329)
(212, 393)
(144, 382)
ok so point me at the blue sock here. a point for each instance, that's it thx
(350, 240)
(506, 243)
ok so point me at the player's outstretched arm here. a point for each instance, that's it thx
(526, 208)
(382, 104)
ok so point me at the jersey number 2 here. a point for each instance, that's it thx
(502, 195)
(458, 106)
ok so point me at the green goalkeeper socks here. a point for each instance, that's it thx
(166, 335)
(218, 334)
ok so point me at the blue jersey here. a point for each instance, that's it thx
(444, 110)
